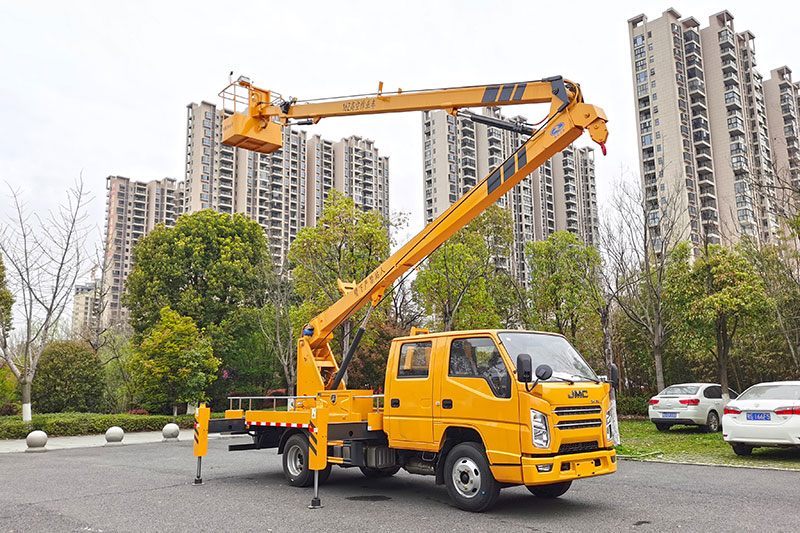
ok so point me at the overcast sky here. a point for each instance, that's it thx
(101, 88)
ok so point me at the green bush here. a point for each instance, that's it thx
(69, 424)
(632, 405)
(69, 377)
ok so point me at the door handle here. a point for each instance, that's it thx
(395, 402)
(447, 404)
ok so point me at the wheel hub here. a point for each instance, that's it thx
(295, 461)
(466, 477)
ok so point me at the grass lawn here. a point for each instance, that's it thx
(688, 444)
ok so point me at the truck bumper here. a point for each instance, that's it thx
(567, 467)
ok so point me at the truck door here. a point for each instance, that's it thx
(408, 411)
(474, 390)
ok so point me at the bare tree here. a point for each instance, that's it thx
(44, 258)
(646, 231)
(278, 328)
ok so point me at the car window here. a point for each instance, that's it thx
(733, 394)
(478, 357)
(415, 358)
(777, 391)
(680, 389)
(713, 392)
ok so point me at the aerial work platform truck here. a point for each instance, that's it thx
(479, 410)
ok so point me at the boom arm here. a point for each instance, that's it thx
(567, 119)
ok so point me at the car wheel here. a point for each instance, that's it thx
(662, 427)
(295, 463)
(469, 479)
(742, 449)
(712, 422)
(553, 490)
(374, 473)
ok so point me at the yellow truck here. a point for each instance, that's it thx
(479, 410)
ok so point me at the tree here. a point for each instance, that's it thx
(460, 283)
(174, 363)
(715, 296)
(279, 322)
(647, 233)
(346, 244)
(44, 258)
(6, 303)
(559, 268)
(204, 267)
(69, 378)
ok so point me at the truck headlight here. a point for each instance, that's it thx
(539, 429)
(609, 434)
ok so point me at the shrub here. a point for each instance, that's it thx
(8, 409)
(69, 424)
(138, 412)
(69, 377)
(632, 405)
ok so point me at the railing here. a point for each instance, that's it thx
(274, 399)
(377, 399)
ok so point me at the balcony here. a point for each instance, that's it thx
(740, 167)
(729, 66)
(702, 139)
(736, 125)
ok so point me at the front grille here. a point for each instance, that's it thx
(579, 424)
(578, 447)
(577, 410)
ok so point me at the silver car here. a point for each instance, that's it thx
(698, 404)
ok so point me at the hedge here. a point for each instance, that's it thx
(633, 405)
(70, 424)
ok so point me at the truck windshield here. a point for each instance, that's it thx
(566, 362)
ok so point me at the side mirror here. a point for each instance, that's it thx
(543, 372)
(524, 368)
(613, 372)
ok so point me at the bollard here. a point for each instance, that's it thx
(114, 436)
(170, 432)
(36, 441)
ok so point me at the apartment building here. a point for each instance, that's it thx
(560, 195)
(702, 122)
(86, 308)
(352, 166)
(285, 190)
(782, 97)
(133, 208)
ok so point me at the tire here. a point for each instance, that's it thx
(375, 473)
(295, 463)
(712, 423)
(741, 449)
(469, 479)
(551, 491)
(662, 427)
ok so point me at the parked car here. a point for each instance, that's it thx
(767, 414)
(697, 404)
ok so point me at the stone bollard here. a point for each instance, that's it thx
(170, 432)
(114, 436)
(36, 441)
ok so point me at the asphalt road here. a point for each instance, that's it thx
(148, 487)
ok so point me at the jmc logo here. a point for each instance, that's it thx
(579, 394)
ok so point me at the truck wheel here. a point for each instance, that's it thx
(295, 463)
(374, 473)
(469, 479)
(550, 491)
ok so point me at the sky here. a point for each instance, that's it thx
(92, 89)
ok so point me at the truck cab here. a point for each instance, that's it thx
(446, 389)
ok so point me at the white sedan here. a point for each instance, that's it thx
(697, 404)
(767, 414)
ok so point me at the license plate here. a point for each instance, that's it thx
(759, 416)
(669, 415)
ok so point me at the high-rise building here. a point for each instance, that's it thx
(285, 190)
(133, 209)
(702, 123)
(560, 195)
(86, 308)
(782, 99)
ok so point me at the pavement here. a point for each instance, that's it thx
(92, 441)
(149, 487)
